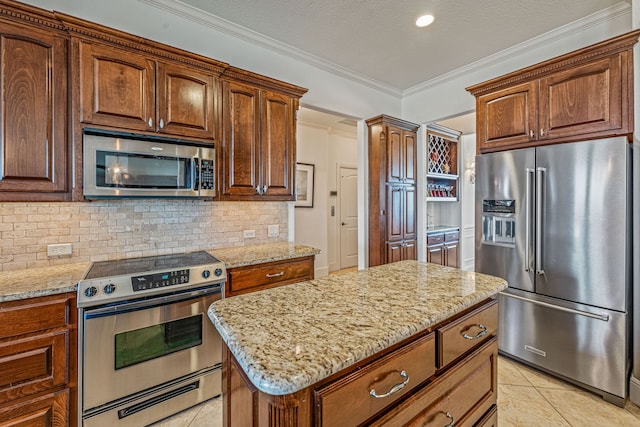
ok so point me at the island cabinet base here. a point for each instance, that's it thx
(418, 382)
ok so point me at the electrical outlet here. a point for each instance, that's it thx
(249, 234)
(59, 249)
(274, 230)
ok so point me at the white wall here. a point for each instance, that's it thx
(325, 149)
(467, 203)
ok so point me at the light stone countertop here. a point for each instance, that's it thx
(250, 255)
(290, 337)
(41, 281)
(442, 229)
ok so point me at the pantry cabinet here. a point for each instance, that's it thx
(257, 155)
(585, 94)
(392, 190)
(34, 149)
(444, 248)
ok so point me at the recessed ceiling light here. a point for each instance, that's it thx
(424, 20)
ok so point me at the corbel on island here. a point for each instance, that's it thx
(401, 344)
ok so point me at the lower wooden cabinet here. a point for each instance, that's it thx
(251, 278)
(38, 365)
(415, 385)
(444, 248)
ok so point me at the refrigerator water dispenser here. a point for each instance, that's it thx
(498, 222)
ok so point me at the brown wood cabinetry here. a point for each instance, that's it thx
(585, 94)
(258, 154)
(444, 248)
(251, 278)
(426, 380)
(136, 91)
(38, 372)
(392, 190)
(33, 119)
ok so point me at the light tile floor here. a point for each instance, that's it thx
(526, 398)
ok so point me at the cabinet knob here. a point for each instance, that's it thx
(161, 124)
(258, 189)
(541, 132)
(150, 122)
(531, 134)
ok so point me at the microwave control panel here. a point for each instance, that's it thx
(207, 174)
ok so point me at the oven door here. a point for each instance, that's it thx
(135, 346)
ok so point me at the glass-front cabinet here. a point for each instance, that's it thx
(442, 164)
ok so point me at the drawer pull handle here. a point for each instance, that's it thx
(483, 332)
(396, 388)
(451, 418)
(275, 274)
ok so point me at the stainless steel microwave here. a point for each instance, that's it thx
(126, 165)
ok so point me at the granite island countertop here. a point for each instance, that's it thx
(290, 337)
(41, 281)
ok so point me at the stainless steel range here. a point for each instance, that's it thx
(147, 349)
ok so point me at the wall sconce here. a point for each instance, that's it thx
(470, 171)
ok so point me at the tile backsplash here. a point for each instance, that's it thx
(106, 230)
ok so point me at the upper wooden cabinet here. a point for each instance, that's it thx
(392, 190)
(124, 89)
(585, 94)
(258, 152)
(34, 151)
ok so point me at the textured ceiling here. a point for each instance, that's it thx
(377, 39)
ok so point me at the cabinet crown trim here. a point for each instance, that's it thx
(590, 53)
(392, 121)
(92, 31)
(29, 14)
(240, 75)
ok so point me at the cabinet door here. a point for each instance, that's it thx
(409, 215)
(507, 118)
(33, 119)
(451, 250)
(185, 101)
(394, 252)
(395, 212)
(240, 155)
(435, 254)
(278, 147)
(586, 99)
(116, 87)
(409, 250)
(401, 156)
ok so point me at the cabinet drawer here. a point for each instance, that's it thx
(490, 419)
(461, 397)
(461, 335)
(263, 276)
(32, 365)
(410, 365)
(46, 411)
(452, 236)
(37, 314)
(433, 239)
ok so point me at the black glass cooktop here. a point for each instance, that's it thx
(148, 264)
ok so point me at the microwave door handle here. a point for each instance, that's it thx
(196, 174)
(540, 187)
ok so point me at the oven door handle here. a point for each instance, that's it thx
(148, 303)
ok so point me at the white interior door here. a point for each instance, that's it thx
(348, 194)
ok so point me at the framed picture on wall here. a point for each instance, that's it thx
(304, 185)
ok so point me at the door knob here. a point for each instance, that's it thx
(344, 223)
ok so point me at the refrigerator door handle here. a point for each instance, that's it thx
(527, 220)
(603, 317)
(540, 187)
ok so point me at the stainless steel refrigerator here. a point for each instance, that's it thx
(555, 222)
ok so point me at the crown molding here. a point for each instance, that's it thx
(178, 8)
(608, 14)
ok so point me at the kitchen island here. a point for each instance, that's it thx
(394, 344)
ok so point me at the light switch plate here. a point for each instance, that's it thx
(249, 234)
(274, 230)
(59, 249)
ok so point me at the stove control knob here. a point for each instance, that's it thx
(108, 289)
(218, 272)
(90, 291)
(206, 274)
